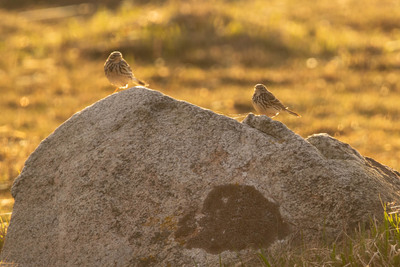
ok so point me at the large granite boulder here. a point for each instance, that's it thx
(141, 179)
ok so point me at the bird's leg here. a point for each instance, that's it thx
(116, 90)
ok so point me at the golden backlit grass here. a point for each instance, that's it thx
(373, 245)
(333, 62)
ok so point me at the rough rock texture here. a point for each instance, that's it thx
(141, 179)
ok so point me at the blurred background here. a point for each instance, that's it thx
(337, 63)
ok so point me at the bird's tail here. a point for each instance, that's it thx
(136, 80)
(292, 112)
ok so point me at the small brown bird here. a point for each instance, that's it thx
(266, 103)
(118, 71)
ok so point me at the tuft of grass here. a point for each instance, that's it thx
(4, 222)
(377, 244)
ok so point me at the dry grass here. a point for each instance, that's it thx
(377, 244)
(334, 64)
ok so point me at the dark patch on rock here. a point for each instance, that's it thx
(186, 225)
(234, 217)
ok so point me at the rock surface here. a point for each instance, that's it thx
(141, 179)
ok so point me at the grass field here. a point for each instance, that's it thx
(335, 63)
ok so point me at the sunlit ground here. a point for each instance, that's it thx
(332, 62)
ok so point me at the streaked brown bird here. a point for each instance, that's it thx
(118, 71)
(266, 103)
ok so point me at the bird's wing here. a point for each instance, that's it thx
(268, 96)
(125, 69)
